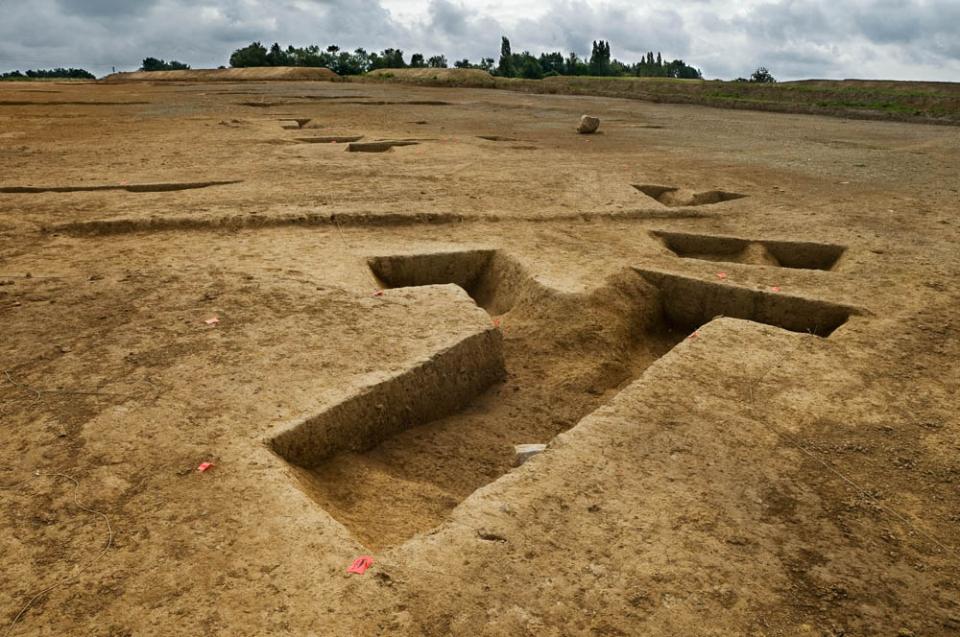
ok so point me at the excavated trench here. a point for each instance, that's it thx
(674, 197)
(330, 139)
(378, 147)
(785, 254)
(396, 458)
(169, 187)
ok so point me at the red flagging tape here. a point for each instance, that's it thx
(360, 565)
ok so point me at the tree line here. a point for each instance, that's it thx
(525, 64)
(599, 64)
(46, 74)
(333, 58)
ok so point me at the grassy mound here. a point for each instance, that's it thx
(260, 74)
(434, 77)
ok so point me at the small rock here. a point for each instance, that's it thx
(525, 452)
(905, 632)
(588, 125)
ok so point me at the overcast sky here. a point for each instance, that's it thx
(895, 39)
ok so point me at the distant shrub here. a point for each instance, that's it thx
(153, 64)
(762, 76)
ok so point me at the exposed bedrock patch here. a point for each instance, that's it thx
(378, 147)
(498, 138)
(415, 457)
(688, 303)
(671, 196)
(787, 254)
(167, 187)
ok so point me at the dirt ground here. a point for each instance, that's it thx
(750, 402)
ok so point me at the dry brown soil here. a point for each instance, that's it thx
(750, 404)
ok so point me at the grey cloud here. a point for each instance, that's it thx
(448, 18)
(571, 25)
(907, 39)
(106, 8)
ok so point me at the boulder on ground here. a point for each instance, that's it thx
(588, 125)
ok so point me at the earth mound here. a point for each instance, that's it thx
(438, 77)
(228, 75)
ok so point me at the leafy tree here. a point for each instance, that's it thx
(762, 76)
(527, 66)
(505, 68)
(679, 69)
(153, 64)
(573, 65)
(355, 63)
(551, 63)
(277, 56)
(600, 58)
(437, 62)
(253, 55)
(417, 61)
(486, 64)
(463, 64)
(387, 59)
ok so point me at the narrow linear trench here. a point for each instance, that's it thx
(164, 187)
(394, 462)
(674, 197)
(784, 254)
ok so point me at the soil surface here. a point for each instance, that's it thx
(182, 280)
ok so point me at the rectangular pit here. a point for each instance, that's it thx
(493, 280)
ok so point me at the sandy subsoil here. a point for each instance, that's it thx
(750, 404)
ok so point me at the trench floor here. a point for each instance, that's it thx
(412, 481)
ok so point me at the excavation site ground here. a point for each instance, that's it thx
(253, 331)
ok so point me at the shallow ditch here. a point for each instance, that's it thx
(330, 139)
(396, 458)
(785, 254)
(377, 147)
(393, 103)
(167, 187)
(672, 196)
(48, 103)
